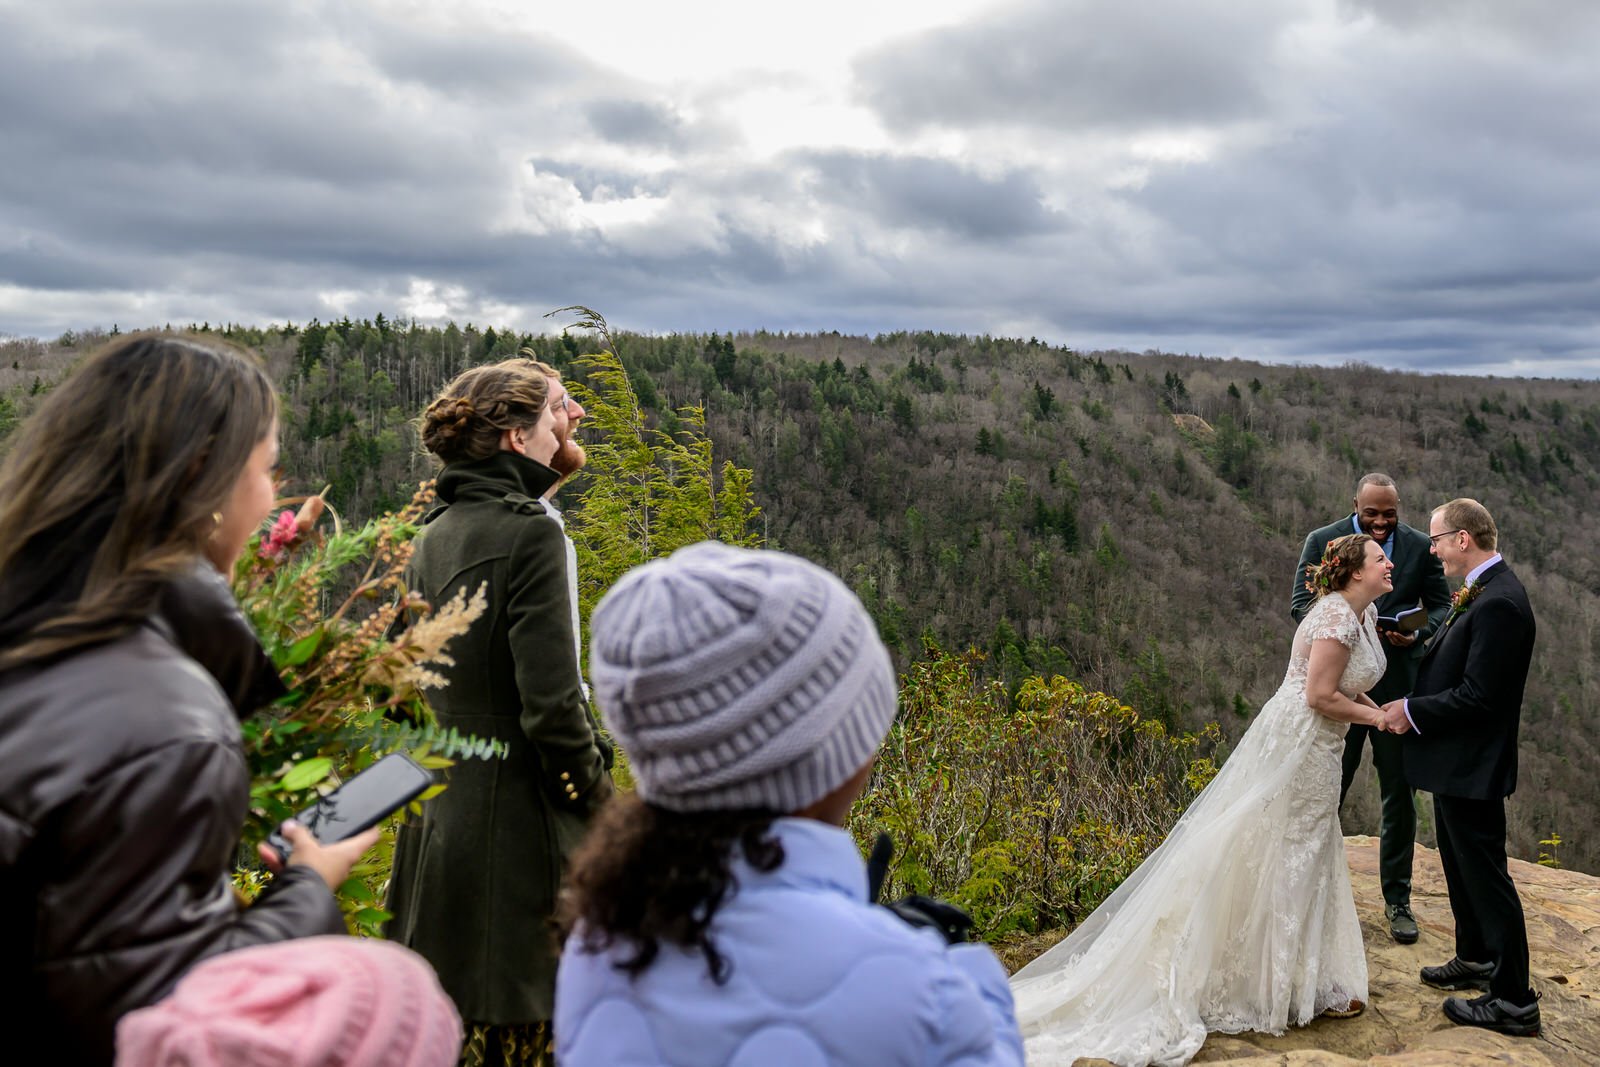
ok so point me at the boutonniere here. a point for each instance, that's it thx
(1463, 599)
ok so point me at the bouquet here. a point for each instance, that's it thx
(355, 650)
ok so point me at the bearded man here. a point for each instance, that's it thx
(568, 460)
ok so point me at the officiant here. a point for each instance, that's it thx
(1418, 582)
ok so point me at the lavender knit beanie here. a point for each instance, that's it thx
(739, 678)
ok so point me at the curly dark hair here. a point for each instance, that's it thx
(644, 875)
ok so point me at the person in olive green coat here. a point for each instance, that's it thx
(475, 878)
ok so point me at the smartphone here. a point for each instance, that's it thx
(365, 800)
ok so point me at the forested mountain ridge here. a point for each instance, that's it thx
(1128, 520)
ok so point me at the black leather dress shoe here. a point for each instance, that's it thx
(1495, 1013)
(1402, 924)
(1458, 974)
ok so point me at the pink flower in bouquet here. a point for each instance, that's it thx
(281, 537)
(291, 528)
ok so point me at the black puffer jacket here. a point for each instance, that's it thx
(123, 789)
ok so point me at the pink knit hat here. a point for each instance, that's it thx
(312, 1002)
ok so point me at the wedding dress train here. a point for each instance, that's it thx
(1243, 918)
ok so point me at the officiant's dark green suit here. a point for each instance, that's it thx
(1418, 579)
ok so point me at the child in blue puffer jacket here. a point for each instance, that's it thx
(719, 915)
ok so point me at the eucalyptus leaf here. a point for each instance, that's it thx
(306, 773)
(357, 890)
(303, 649)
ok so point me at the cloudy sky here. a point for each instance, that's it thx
(1412, 183)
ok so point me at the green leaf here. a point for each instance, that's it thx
(306, 773)
(358, 890)
(303, 649)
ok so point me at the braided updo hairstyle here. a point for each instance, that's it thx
(479, 405)
(1343, 557)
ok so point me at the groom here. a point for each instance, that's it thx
(1417, 577)
(1460, 727)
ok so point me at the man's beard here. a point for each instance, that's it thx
(569, 457)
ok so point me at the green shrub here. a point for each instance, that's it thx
(1027, 813)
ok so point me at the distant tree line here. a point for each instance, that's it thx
(1126, 520)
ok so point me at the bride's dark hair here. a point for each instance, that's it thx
(1343, 557)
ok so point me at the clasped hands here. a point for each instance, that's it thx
(1394, 719)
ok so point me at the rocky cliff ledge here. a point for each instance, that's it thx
(1404, 1026)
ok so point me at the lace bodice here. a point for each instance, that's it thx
(1331, 617)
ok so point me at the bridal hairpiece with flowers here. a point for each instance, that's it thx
(1319, 576)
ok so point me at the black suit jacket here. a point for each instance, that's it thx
(1418, 579)
(1467, 703)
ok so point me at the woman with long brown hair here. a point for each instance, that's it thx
(125, 665)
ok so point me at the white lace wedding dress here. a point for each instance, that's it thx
(1243, 918)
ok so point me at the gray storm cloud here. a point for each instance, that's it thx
(1403, 183)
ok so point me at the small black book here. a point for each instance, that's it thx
(1408, 621)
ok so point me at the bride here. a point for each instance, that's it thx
(1243, 918)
